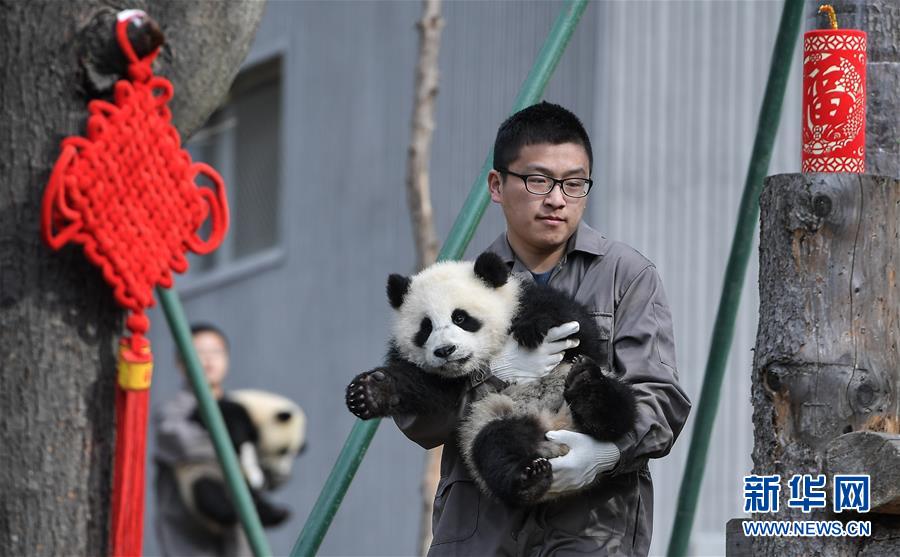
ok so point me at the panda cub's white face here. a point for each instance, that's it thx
(451, 322)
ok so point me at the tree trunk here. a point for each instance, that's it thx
(826, 366)
(826, 361)
(418, 195)
(57, 316)
(417, 188)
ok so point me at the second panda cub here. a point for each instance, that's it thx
(268, 431)
(451, 320)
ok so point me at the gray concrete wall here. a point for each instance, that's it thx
(679, 89)
(669, 92)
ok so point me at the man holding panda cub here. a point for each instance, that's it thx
(536, 150)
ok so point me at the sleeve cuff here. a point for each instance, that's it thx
(607, 456)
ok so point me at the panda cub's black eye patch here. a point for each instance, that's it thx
(464, 321)
(425, 328)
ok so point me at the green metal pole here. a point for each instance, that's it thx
(741, 245)
(212, 417)
(459, 237)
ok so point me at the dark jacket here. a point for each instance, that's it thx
(615, 517)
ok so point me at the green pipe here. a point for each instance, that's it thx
(458, 239)
(741, 245)
(212, 417)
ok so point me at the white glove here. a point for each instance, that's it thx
(516, 364)
(586, 458)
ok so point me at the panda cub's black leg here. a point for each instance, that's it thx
(602, 406)
(270, 514)
(212, 500)
(506, 457)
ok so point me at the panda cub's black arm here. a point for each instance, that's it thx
(543, 307)
(237, 421)
(401, 387)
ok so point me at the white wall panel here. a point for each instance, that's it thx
(679, 88)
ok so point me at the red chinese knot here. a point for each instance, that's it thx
(128, 191)
(834, 101)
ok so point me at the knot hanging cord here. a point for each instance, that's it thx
(139, 70)
(128, 193)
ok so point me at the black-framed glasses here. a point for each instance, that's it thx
(538, 184)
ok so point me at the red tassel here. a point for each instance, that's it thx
(132, 402)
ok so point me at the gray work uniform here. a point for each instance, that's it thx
(180, 440)
(625, 296)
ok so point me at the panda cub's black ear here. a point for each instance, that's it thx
(397, 286)
(491, 269)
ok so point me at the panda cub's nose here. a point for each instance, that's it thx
(444, 351)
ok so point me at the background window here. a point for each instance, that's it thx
(242, 141)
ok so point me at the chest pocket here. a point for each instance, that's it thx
(605, 324)
(455, 514)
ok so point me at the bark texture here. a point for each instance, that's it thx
(826, 361)
(57, 316)
(417, 186)
(874, 454)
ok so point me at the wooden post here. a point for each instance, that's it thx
(826, 373)
(827, 361)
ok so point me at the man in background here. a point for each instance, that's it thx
(181, 440)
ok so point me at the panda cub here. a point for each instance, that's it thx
(451, 320)
(268, 432)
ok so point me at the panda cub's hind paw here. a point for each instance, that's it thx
(583, 374)
(535, 480)
(538, 468)
(602, 406)
(371, 395)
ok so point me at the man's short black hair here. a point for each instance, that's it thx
(197, 328)
(539, 123)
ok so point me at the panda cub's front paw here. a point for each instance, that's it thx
(529, 334)
(371, 395)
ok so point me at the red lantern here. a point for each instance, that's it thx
(834, 100)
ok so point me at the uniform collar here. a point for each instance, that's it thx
(588, 240)
(585, 239)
